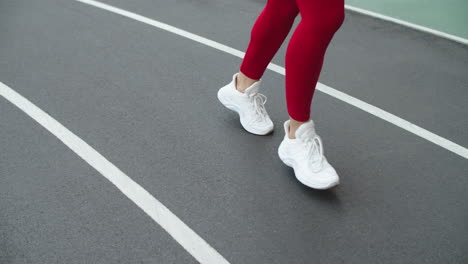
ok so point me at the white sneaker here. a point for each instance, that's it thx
(305, 155)
(250, 106)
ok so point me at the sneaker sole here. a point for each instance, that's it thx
(309, 183)
(234, 108)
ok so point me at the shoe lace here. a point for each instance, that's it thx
(258, 101)
(314, 147)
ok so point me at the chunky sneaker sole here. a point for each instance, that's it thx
(225, 96)
(307, 181)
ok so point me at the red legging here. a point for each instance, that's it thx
(305, 52)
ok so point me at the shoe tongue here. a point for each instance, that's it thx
(306, 130)
(253, 89)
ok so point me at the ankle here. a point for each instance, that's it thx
(293, 126)
(291, 132)
(243, 82)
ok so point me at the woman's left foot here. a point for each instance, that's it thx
(305, 155)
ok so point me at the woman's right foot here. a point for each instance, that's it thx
(305, 155)
(250, 105)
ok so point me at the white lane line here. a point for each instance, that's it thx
(185, 236)
(408, 24)
(400, 122)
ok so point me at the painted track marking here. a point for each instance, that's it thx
(373, 110)
(185, 236)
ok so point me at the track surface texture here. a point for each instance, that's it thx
(146, 100)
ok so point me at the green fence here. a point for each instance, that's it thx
(449, 16)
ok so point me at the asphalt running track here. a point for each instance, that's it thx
(145, 99)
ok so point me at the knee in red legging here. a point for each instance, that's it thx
(282, 9)
(327, 19)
